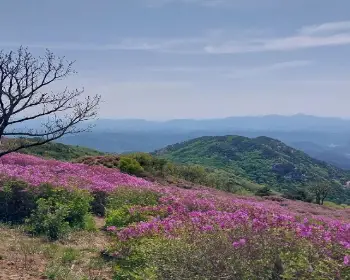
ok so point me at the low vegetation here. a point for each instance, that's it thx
(52, 150)
(167, 172)
(196, 235)
(45, 210)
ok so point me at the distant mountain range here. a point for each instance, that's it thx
(269, 122)
(324, 138)
(262, 160)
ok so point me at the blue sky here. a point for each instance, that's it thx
(163, 59)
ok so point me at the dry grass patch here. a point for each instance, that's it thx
(75, 258)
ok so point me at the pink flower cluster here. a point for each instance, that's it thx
(239, 243)
(200, 211)
(36, 171)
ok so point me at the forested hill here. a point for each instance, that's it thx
(263, 160)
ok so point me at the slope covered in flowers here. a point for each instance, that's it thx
(202, 233)
(35, 171)
(239, 234)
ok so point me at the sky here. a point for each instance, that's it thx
(165, 59)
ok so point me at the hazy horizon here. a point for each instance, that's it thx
(227, 117)
(185, 59)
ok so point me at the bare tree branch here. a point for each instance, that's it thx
(23, 98)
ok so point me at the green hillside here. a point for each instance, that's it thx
(60, 151)
(263, 160)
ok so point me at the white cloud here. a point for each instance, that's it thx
(326, 34)
(328, 27)
(267, 69)
(218, 41)
(166, 45)
(237, 73)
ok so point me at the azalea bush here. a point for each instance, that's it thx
(205, 236)
(36, 171)
(269, 255)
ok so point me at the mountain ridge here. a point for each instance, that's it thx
(330, 135)
(263, 160)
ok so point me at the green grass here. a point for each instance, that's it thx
(53, 150)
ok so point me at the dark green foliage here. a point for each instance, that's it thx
(98, 205)
(298, 194)
(262, 160)
(265, 191)
(16, 201)
(59, 210)
(49, 219)
(47, 210)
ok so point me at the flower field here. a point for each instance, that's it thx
(243, 235)
(36, 171)
(176, 233)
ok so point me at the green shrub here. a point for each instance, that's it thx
(127, 215)
(130, 166)
(77, 200)
(79, 204)
(69, 255)
(16, 202)
(118, 217)
(129, 197)
(89, 223)
(59, 210)
(49, 219)
(298, 194)
(265, 191)
(122, 200)
(122, 217)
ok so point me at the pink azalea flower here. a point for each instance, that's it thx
(347, 260)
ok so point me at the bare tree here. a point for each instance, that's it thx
(321, 190)
(25, 96)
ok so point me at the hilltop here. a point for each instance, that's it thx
(54, 150)
(322, 138)
(262, 160)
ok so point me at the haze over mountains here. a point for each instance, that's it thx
(268, 122)
(323, 138)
